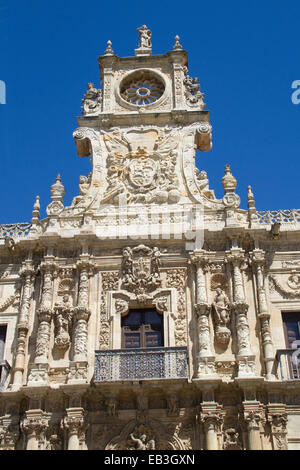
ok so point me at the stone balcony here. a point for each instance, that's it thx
(141, 364)
(288, 364)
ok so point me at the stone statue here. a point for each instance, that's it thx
(141, 442)
(92, 100)
(221, 308)
(63, 318)
(145, 37)
(192, 91)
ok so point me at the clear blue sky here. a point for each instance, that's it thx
(245, 54)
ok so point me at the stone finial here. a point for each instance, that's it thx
(109, 50)
(145, 46)
(250, 197)
(36, 211)
(177, 46)
(228, 180)
(57, 190)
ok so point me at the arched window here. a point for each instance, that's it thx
(142, 328)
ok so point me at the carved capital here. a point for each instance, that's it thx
(253, 419)
(202, 308)
(34, 423)
(211, 421)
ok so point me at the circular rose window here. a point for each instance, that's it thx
(142, 88)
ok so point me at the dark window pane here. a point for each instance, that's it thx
(2, 341)
(153, 339)
(133, 318)
(132, 340)
(153, 318)
(292, 327)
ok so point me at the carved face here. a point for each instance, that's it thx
(142, 172)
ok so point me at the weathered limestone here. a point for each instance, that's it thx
(148, 314)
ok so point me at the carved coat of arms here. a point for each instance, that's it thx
(140, 269)
(138, 173)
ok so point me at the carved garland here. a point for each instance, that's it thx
(177, 278)
(110, 282)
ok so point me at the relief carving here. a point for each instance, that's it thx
(140, 270)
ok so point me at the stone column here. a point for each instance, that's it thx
(45, 312)
(258, 261)
(253, 419)
(39, 372)
(206, 359)
(34, 426)
(74, 424)
(212, 421)
(277, 418)
(245, 358)
(27, 273)
(82, 312)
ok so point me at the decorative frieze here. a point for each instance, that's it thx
(177, 278)
(110, 282)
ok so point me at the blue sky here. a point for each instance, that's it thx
(245, 54)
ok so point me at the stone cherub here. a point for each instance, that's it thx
(141, 442)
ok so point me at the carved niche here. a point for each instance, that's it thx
(64, 310)
(221, 309)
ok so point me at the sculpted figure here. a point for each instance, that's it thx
(145, 37)
(63, 318)
(91, 100)
(141, 442)
(221, 308)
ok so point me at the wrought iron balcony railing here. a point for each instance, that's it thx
(288, 364)
(4, 371)
(141, 364)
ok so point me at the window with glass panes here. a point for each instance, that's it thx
(291, 323)
(142, 328)
(2, 341)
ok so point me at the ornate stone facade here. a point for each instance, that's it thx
(146, 237)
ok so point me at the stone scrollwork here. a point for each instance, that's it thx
(293, 283)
